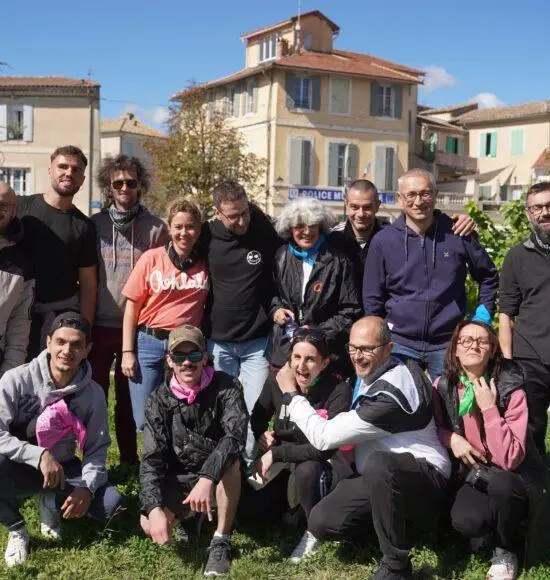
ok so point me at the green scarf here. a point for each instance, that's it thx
(468, 400)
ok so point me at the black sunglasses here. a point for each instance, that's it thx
(194, 356)
(119, 183)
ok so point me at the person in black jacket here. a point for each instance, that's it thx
(285, 444)
(315, 284)
(195, 430)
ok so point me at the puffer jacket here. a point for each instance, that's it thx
(182, 441)
(331, 303)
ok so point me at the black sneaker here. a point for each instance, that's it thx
(189, 528)
(384, 572)
(219, 557)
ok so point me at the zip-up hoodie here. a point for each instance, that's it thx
(418, 283)
(26, 391)
(17, 292)
(119, 250)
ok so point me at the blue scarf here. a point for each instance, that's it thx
(307, 255)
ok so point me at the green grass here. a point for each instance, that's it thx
(120, 550)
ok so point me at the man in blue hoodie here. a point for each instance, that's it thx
(417, 273)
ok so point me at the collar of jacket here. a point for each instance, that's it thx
(350, 234)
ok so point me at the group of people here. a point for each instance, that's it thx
(317, 373)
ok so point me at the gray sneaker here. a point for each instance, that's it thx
(219, 557)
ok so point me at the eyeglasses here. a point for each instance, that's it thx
(366, 350)
(235, 218)
(194, 356)
(118, 184)
(536, 208)
(424, 195)
(468, 341)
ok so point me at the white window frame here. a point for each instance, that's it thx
(350, 91)
(395, 157)
(249, 98)
(302, 78)
(347, 143)
(11, 111)
(7, 174)
(384, 89)
(269, 44)
(311, 164)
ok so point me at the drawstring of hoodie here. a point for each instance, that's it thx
(433, 243)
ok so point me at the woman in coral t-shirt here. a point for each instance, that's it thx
(167, 288)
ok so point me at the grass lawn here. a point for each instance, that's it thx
(120, 550)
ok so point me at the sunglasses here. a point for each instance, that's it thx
(119, 183)
(194, 356)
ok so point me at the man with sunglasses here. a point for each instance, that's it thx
(195, 429)
(524, 328)
(415, 275)
(60, 241)
(402, 467)
(125, 230)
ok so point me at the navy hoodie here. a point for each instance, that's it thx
(418, 283)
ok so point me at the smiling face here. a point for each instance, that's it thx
(183, 361)
(366, 351)
(184, 231)
(474, 348)
(538, 212)
(304, 236)
(66, 175)
(361, 208)
(67, 349)
(417, 197)
(234, 215)
(307, 363)
(124, 196)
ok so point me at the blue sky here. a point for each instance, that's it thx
(143, 52)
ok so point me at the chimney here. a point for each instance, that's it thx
(281, 48)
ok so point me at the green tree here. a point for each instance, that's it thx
(201, 150)
(497, 237)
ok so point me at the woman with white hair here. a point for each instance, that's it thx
(314, 282)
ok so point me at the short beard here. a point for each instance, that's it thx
(64, 192)
(542, 234)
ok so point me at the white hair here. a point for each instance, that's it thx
(417, 173)
(304, 210)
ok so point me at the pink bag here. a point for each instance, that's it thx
(56, 422)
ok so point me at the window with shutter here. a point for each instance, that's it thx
(302, 93)
(15, 122)
(384, 168)
(386, 100)
(340, 90)
(517, 142)
(300, 166)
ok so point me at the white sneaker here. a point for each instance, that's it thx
(17, 549)
(50, 518)
(306, 547)
(504, 565)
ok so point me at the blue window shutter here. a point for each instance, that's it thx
(332, 165)
(493, 144)
(290, 84)
(380, 167)
(375, 99)
(316, 93)
(27, 123)
(307, 162)
(398, 101)
(3, 122)
(353, 162)
(295, 161)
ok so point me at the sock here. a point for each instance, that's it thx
(222, 536)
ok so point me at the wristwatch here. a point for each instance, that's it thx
(287, 397)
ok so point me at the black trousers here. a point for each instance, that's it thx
(537, 389)
(501, 509)
(394, 491)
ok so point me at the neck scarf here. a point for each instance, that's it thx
(122, 218)
(544, 246)
(307, 255)
(468, 400)
(181, 263)
(189, 392)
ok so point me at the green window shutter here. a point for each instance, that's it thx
(398, 100)
(461, 145)
(332, 164)
(374, 99)
(290, 88)
(449, 144)
(483, 145)
(517, 142)
(316, 93)
(493, 145)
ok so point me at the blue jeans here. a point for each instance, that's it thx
(431, 361)
(244, 359)
(20, 480)
(150, 354)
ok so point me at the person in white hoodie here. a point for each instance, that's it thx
(17, 284)
(48, 407)
(402, 468)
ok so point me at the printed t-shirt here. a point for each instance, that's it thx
(172, 297)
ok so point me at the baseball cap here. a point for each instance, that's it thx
(71, 320)
(186, 333)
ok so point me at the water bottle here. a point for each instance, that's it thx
(290, 328)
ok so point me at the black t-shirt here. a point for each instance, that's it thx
(58, 243)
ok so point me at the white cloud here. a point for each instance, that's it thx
(437, 77)
(154, 115)
(487, 100)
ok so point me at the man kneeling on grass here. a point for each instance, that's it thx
(47, 408)
(195, 429)
(403, 468)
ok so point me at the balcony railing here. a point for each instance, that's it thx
(445, 200)
(455, 161)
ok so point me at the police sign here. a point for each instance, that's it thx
(317, 193)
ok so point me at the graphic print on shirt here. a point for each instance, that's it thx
(254, 257)
(180, 281)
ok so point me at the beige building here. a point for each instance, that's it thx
(321, 116)
(39, 114)
(127, 135)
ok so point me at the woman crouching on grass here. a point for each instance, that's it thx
(285, 448)
(481, 411)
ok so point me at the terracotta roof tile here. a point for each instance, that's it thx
(425, 118)
(24, 82)
(450, 109)
(543, 161)
(128, 123)
(288, 22)
(481, 116)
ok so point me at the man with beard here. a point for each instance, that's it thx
(60, 241)
(524, 308)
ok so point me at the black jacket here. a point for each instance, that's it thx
(241, 278)
(331, 303)
(183, 441)
(292, 445)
